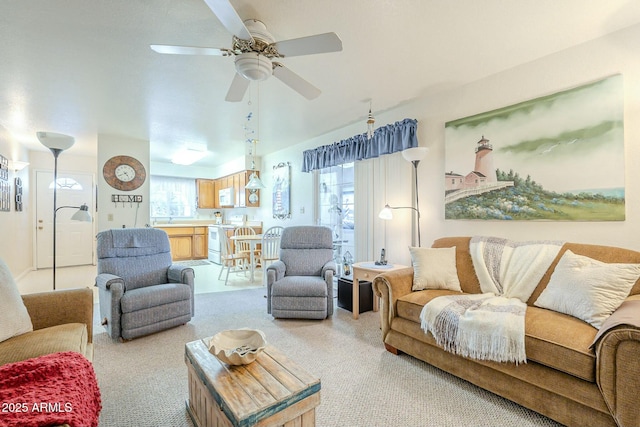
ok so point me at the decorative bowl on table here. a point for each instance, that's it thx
(237, 346)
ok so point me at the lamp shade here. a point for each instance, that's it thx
(415, 153)
(55, 141)
(386, 213)
(254, 183)
(82, 214)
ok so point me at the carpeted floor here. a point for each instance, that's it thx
(144, 381)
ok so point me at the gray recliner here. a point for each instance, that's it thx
(140, 290)
(300, 283)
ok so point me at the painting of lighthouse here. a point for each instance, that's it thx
(559, 157)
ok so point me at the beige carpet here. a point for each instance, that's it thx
(144, 381)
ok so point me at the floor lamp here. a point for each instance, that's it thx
(414, 155)
(57, 143)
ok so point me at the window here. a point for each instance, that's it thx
(336, 208)
(172, 197)
(67, 184)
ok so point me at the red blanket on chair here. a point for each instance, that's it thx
(51, 390)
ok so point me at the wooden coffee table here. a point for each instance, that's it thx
(271, 391)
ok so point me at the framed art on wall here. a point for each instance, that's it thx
(559, 157)
(281, 190)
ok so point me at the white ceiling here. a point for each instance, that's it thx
(84, 67)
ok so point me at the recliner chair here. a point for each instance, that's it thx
(300, 283)
(140, 290)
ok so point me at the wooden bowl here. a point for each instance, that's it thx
(237, 346)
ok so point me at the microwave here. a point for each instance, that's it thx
(225, 196)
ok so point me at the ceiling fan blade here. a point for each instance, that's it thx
(320, 43)
(238, 88)
(295, 82)
(229, 18)
(190, 50)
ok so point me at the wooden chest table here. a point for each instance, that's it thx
(271, 391)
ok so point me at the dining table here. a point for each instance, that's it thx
(252, 240)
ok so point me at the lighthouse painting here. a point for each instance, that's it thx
(559, 157)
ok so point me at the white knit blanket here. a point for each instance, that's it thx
(490, 326)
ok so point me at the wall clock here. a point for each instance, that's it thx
(124, 173)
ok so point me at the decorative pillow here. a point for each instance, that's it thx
(14, 318)
(434, 268)
(588, 289)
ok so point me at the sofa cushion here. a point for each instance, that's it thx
(552, 339)
(66, 337)
(14, 318)
(409, 306)
(434, 268)
(561, 342)
(587, 288)
(153, 296)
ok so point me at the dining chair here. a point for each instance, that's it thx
(231, 260)
(244, 248)
(270, 246)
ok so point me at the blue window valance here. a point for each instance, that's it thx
(386, 140)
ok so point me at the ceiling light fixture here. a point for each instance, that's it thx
(370, 123)
(188, 156)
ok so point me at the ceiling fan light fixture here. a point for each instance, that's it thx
(253, 66)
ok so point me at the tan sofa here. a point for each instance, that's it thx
(62, 321)
(564, 377)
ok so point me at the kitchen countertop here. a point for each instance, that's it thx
(206, 224)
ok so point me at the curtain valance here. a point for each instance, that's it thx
(386, 140)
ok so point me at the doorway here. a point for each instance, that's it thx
(74, 239)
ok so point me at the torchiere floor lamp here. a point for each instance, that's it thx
(57, 143)
(413, 155)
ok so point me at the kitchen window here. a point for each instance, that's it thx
(172, 197)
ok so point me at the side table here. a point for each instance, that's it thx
(367, 271)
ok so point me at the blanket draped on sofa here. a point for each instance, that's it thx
(55, 389)
(490, 326)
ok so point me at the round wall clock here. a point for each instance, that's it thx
(124, 173)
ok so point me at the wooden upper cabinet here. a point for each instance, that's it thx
(209, 191)
(216, 193)
(206, 193)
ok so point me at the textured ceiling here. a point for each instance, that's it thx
(84, 67)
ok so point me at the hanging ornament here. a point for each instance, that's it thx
(370, 122)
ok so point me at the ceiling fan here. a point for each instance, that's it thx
(257, 53)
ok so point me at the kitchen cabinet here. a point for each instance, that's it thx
(200, 243)
(249, 200)
(209, 191)
(207, 198)
(187, 242)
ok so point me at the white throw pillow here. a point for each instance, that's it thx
(588, 289)
(434, 268)
(14, 318)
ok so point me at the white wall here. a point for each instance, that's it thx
(15, 227)
(617, 53)
(118, 215)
